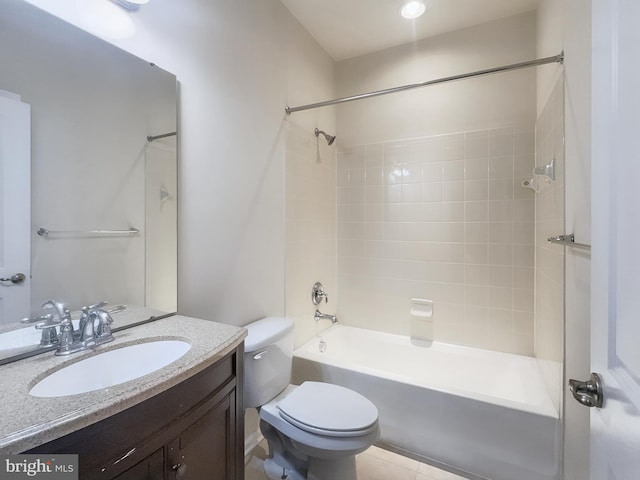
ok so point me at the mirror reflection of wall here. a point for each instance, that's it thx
(161, 281)
(92, 108)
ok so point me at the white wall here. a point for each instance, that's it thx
(442, 218)
(567, 25)
(311, 228)
(92, 107)
(161, 206)
(448, 108)
(549, 262)
(577, 42)
(548, 42)
(455, 226)
(238, 63)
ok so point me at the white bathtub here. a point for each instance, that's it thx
(474, 411)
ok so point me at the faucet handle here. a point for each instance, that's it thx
(104, 324)
(116, 309)
(318, 293)
(42, 318)
(88, 308)
(48, 322)
(49, 336)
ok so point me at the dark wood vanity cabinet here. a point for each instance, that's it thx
(194, 430)
(151, 468)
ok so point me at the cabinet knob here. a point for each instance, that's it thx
(180, 469)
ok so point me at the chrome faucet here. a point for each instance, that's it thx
(85, 326)
(94, 327)
(92, 335)
(318, 293)
(66, 335)
(104, 321)
(325, 316)
(89, 334)
(49, 336)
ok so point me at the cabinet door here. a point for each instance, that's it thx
(151, 468)
(204, 450)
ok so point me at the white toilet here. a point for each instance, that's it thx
(313, 430)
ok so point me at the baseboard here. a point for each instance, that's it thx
(250, 442)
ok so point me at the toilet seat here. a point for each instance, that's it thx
(330, 410)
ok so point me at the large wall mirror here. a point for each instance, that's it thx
(100, 140)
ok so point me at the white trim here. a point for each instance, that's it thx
(251, 441)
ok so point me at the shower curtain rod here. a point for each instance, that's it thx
(514, 66)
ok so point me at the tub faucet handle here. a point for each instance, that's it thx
(318, 293)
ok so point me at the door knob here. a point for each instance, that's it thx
(588, 393)
(16, 278)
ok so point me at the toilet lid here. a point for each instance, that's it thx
(328, 409)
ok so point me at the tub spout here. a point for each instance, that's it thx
(325, 316)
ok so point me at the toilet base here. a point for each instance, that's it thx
(287, 462)
(336, 469)
(273, 471)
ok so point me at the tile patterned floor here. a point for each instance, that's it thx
(373, 464)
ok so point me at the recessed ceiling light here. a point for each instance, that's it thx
(412, 9)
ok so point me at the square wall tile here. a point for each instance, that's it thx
(432, 172)
(443, 217)
(476, 145)
(453, 191)
(476, 168)
(501, 145)
(453, 171)
(374, 175)
(476, 190)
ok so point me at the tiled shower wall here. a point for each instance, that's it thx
(443, 218)
(311, 228)
(550, 200)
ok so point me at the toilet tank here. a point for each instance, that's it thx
(268, 356)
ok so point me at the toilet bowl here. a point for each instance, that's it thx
(313, 430)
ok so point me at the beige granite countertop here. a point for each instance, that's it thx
(27, 421)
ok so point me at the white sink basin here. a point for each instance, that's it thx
(22, 337)
(110, 368)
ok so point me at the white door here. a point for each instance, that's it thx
(15, 208)
(615, 259)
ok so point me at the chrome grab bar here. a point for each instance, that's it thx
(568, 240)
(151, 138)
(44, 232)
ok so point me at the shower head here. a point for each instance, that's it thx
(330, 138)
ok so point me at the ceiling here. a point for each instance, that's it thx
(349, 28)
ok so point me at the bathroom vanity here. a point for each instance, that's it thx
(182, 421)
(100, 113)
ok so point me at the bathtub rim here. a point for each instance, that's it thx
(547, 409)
